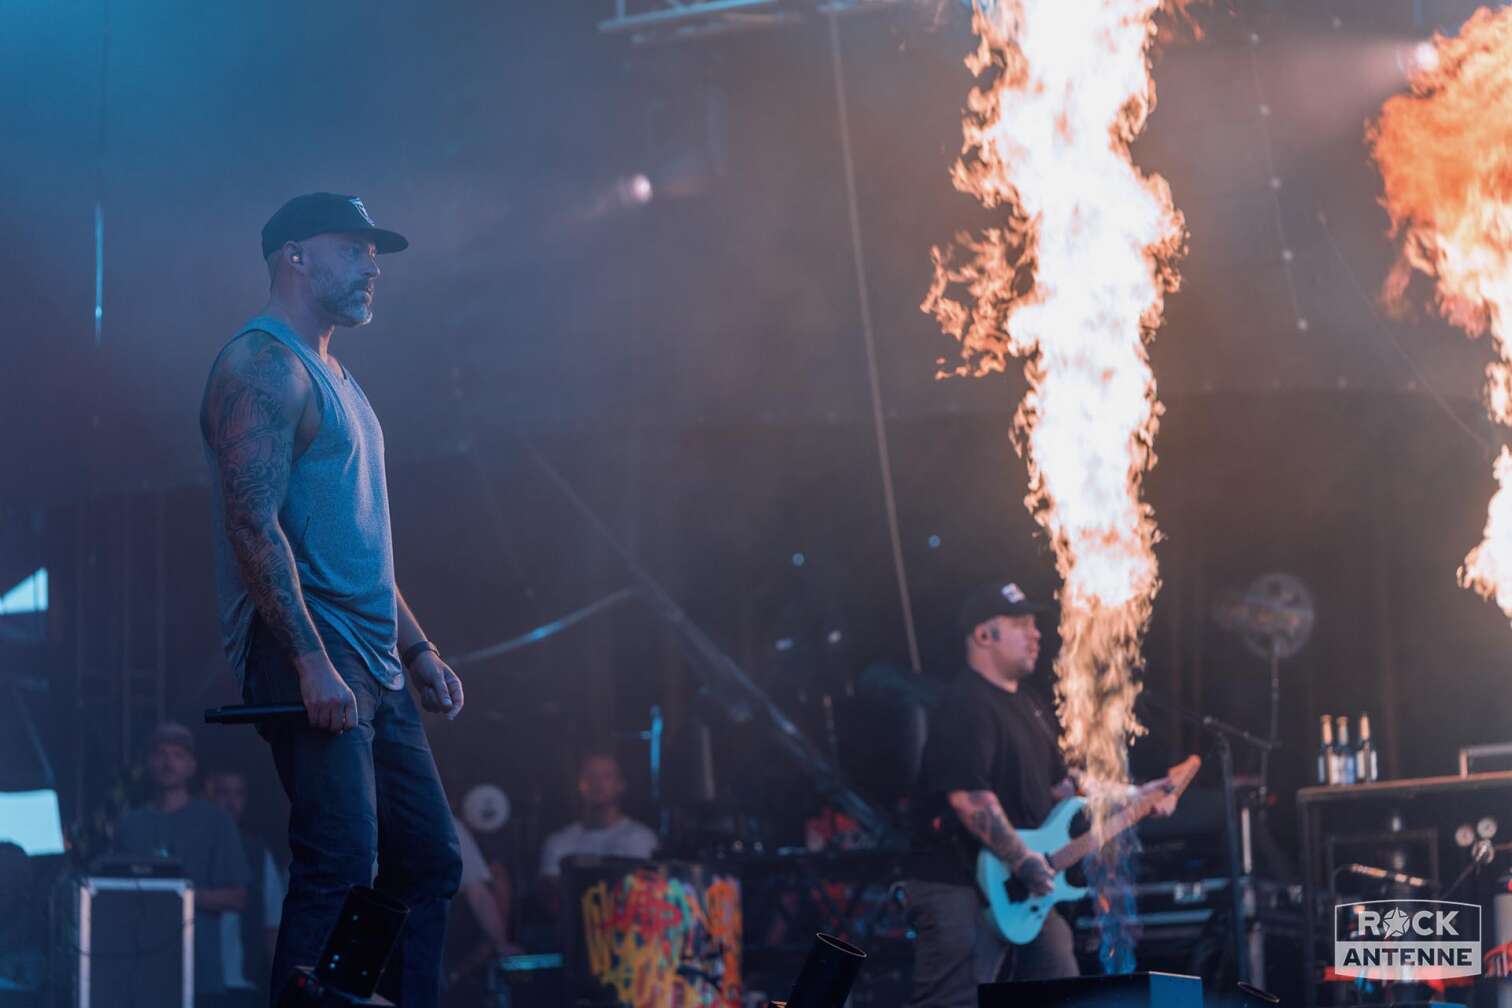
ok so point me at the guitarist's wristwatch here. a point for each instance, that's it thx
(415, 650)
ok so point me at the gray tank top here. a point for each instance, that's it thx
(337, 521)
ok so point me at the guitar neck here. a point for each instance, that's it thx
(1091, 840)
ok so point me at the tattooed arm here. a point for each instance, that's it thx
(252, 409)
(254, 403)
(982, 815)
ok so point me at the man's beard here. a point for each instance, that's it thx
(345, 305)
(1018, 670)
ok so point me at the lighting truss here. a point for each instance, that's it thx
(646, 21)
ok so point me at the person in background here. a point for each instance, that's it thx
(203, 839)
(486, 893)
(248, 937)
(603, 829)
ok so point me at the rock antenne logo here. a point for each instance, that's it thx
(1395, 921)
(1407, 940)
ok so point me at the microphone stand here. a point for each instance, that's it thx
(1223, 735)
(653, 735)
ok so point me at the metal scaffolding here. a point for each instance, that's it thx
(118, 624)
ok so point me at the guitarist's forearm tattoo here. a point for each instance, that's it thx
(252, 434)
(982, 814)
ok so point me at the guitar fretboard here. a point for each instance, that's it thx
(1094, 838)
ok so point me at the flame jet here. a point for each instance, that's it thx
(1445, 155)
(1074, 283)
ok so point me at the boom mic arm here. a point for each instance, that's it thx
(1369, 871)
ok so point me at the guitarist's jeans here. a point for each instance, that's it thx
(957, 948)
(369, 794)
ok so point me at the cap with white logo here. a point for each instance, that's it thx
(326, 213)
(997, 599)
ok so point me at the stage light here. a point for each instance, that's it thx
(934, 542)
(1425, 56)
(638, 189)
(799, 559)
(619, 196)
(1413, 58)
(486, 808)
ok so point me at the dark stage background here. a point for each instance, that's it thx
(695, 367)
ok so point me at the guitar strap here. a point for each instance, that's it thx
(1043, 721)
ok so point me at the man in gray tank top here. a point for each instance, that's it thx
(309, 607)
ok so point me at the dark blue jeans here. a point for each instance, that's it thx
(369, 794)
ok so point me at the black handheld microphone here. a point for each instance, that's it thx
(252, 713)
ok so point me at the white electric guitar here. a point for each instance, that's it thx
(1018, 915)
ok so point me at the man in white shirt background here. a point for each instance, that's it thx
(602, 830)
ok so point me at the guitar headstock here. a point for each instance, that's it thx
(1182, 773)
(1163, 800)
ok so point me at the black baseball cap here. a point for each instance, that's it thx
(326, 213)
(997, 599)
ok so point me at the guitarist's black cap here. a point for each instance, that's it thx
(998, 599)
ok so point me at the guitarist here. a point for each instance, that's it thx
(991, 765)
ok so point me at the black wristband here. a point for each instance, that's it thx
(413, 651)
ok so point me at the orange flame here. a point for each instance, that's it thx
(1073, 282)
(1445, 154)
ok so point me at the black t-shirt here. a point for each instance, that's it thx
(982, 738)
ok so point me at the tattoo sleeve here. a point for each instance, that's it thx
(982, 815)
(252, 410)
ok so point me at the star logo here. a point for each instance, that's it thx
(1395, 923)
(1013, 593)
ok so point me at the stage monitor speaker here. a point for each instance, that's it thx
(123, 941)
(1131, 990)
(827, 975)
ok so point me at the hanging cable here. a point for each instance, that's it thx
(879, 425)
